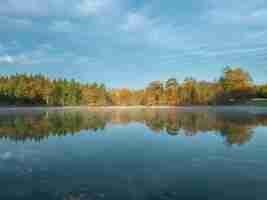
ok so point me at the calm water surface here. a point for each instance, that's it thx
(139, 154)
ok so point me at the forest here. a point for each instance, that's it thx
(234, 86)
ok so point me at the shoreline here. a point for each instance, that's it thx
(120, 107)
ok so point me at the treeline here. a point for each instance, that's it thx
(235, 85)
(39, 90)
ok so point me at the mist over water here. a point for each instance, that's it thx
(140, 153)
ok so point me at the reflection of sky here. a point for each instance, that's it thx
(133, 160)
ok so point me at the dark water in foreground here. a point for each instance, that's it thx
(125, 154)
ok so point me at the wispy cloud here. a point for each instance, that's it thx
(17, 23)
(44, 54)
(95, 7)
(237, 12)
(63, 26)
(153, 31)
(137, 22)
(56, 7)
(257, 34)
(36, 56)
(20, 59)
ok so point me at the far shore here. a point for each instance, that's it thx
(120, 107)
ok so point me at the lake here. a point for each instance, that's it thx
(133, 153)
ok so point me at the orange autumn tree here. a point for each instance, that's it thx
(154, 94)
(121, 97)
(171, 92)
(238, 84)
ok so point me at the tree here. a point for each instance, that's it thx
(154, 93)
(94, 95)
(137, 97)
(171, 92)
(121, 97)
(237, 84)
(262, 91)
(189, 92)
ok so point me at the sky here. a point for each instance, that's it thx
(129, 43)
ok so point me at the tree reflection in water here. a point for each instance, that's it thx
(235, 126)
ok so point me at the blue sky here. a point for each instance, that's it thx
(132, 42)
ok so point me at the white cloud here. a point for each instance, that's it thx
(31, 57)
(6, 59)
(18, 59)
